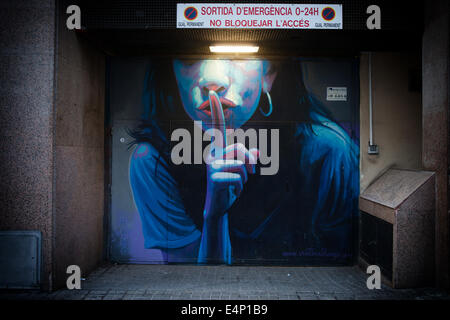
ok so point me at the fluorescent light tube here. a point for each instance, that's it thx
(233, 49)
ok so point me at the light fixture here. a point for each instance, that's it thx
(234, 49)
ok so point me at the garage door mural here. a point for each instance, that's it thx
(234, 161)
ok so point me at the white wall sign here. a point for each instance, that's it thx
(336, 94)
(259, 16)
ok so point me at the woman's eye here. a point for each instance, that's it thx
(188, 63)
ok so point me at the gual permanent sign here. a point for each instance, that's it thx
(259, 16)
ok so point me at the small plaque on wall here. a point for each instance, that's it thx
(336, 93)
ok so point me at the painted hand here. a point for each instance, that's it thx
(228, 167)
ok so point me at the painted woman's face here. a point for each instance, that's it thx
(237, 83)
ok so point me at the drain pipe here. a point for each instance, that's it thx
(373, 148)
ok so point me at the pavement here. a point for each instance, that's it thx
(191, 282)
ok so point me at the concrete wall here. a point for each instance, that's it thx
(27, 53)
(51, 136)
(79, 152)
(436, 123)
(397, 114)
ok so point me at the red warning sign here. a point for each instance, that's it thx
(190, 13)
(328, 13)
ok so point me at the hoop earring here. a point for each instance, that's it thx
(270, 105)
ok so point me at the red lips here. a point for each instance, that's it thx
(206, 108)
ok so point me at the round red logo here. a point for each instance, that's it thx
(328, 13)
(190, 13)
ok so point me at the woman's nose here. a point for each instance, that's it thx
(213, 76)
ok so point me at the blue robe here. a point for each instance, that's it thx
(305, 214)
